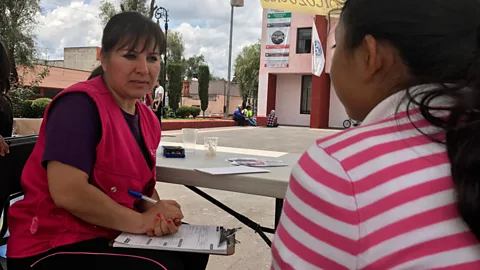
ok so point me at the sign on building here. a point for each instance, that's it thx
(319, 7)
(278, 38)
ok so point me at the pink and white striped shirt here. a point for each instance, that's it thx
(379, 196)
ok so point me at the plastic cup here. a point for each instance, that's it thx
(211, 146)
(189, 136)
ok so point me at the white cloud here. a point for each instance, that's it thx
(204, 25)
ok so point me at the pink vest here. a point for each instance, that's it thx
(37, 225)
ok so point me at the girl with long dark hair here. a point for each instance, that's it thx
(401, 191)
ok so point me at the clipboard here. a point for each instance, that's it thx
(230, 247)
(231, 242)
(222, 244)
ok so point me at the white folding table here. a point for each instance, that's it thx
(273, 184)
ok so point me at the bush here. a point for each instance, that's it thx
(183, 112)
(195, 111)
(167, 112)
(26, 110)
(203, 84)
(174, 71)
(39, 105)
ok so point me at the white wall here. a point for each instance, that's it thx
(337, 112)
(262, 94)
(81, 58)
(287, 104)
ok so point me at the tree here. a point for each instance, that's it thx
(17, 23)
(175, 47)
(192, 64)
(247, 69)
(216, 78)
(21, 91)
(174, 71)
(108, 10)
(203, 83)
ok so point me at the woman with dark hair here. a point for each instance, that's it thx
(97, 142)
(401, 191)
(6, 114)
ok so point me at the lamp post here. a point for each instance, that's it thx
(233, 4)
(162, 13)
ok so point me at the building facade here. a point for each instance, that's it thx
(80, 58)
(216, 96)
(286, 83)
(58, 78)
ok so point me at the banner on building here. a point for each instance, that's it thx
(318, 7)
(318, 57)
(277, 49)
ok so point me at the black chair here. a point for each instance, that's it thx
(11, 167)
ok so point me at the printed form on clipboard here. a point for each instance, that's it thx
(189, 238)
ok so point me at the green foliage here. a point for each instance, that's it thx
(17, 28)
(26, 110)
(39, 105)
(203, 83)
(183, 111)
(192, 64)
(108, 10)
(247, 69)
(174, 71)
(195, 111)
(18, 95)
(168, 112)
(34, 108)
(216, 78)
(175, 47)
(21, 92)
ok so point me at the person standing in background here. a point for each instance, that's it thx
(158, 101)
(6, 113)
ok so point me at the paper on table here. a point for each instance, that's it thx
(231, 170)
(189, 238)
(255, 162)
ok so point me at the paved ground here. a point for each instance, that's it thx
(282, 139)
(252, 253)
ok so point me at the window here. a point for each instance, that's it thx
(304, 40)
(306, 94)
(50, 93)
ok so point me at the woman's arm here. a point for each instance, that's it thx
(71, 191)
(155, 105)
(143, 206)
(69, 156)
(319, 224)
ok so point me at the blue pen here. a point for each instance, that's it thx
(141, 196)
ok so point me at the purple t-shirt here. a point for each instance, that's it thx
(74, 130)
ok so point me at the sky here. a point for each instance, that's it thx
(204, 24)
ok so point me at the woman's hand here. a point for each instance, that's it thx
(167, 210)
(162, 227)
(3, 147)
